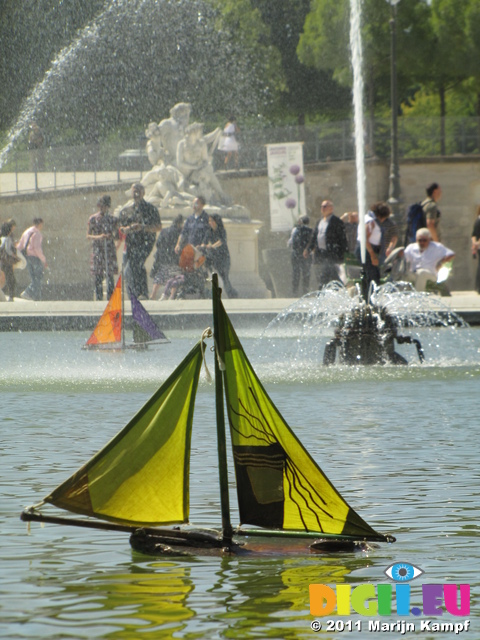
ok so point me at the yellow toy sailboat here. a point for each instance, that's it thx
(139, 482)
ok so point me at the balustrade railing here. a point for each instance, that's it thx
(109, 163)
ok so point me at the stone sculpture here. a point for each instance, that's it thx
(155, 150)
(172, 130)
(166, 187)
(181, 155)
(195, 163)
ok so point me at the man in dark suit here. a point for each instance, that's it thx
(140, 224)
(328, 245)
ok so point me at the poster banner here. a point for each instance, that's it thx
(286, 184)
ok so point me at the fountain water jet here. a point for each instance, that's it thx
(35, 99)
(357, 62)
(133, 61)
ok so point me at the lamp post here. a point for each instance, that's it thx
(394, 178)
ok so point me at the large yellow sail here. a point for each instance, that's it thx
(279, 485)
(141, 477)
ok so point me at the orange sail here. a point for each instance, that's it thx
(109, 327)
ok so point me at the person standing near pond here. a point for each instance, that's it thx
(476, 248)
(216, 252)
(103, 232)
(30, 244)
(431, 210)
(299, 239)
(196, 227)
(328, 245)
(166, 260)
(350, 220)
(140, 223)
(374, 219)
(8, 257)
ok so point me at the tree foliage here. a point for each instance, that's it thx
(438, 48)
(307, 90)
(136, 59)
(31, 33)
(325, 43)
(93, 67)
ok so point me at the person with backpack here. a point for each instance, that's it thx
(298, 241)
(432, 212)
(425, 214)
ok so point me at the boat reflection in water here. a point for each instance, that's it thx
(168, 597)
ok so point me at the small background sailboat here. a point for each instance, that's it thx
(139, 482)
(110, 330)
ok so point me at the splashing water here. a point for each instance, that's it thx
(132, 63)
(298, 335)
(35, 100)
(412, 308)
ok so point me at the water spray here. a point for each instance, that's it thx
(357, 63)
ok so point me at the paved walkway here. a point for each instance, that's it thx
(176, 314)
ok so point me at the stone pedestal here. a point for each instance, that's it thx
(243, 245)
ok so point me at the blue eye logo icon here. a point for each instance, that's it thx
(403, 572)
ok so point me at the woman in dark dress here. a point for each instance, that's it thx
(166, 260)
(8, 257)
(476, 248)
(217, 256)
(103, 232)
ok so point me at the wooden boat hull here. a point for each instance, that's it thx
(180, 541)
(159, 545)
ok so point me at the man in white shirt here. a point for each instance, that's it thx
(424, 258)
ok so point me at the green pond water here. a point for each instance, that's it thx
(400, 444)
